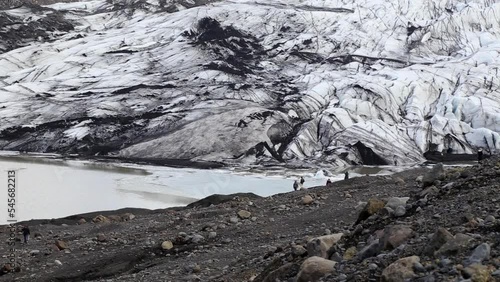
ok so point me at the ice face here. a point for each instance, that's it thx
(344, 82)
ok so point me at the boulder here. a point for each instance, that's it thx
(372, 206)
(371, 250)
(396, 235)
(350, 253)
(439, 238)
(479, 254)
(167, 245)
(436, 173)
(313, 268)
(307, 200)
(431, 190)
(454, 246)
(448, 186)
(127, 216)
(217, 199)
(321, 246)
(115, 218)
(399, 181)
(386, 212)
(101, 237)
(82, 221)
(243, 214)
(61, 245)
(197, 238)
(400, 270)
(282, 273)
(400, 211)
(298, 250)
(490, 219)
(396, 202)
(100, 219)
(478, 273)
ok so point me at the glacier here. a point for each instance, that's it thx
(246, 82)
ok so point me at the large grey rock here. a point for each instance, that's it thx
(243, 214)
(321, 246)
(396, 202)
(61, 245)
(478, 273)
(431, 190)
(400, 211)
(197, 238)
(396, 235)
(127, 216)
(436, 173)
(400, 270)
(313, 268)
(456, 245)
(439, 238)
(167, 245)
(371, 250)
(307, 199)
(298, 250)
(373, 206)
(479, 254)
(100, 219)
(217, 199)
(281, 273)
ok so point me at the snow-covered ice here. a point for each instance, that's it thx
(339, 80)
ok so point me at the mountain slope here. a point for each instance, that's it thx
(344, 82)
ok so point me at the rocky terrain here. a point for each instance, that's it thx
(419, 225)
(245, 82)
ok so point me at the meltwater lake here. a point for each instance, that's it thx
(49, 187)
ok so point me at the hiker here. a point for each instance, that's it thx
(479, 155)
(346, 175)
(302, 180)
(26, 234)
(328, 182)
(297, 185)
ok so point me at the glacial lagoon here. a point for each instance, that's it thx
(51, 187)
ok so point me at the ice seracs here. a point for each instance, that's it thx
(339, 82)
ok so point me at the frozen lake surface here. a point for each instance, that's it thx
(51, 188)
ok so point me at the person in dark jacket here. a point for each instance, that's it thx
(328, 182)
(479, 155)
(346, 175)
(26, 234)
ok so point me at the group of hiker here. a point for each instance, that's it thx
(299, 183)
